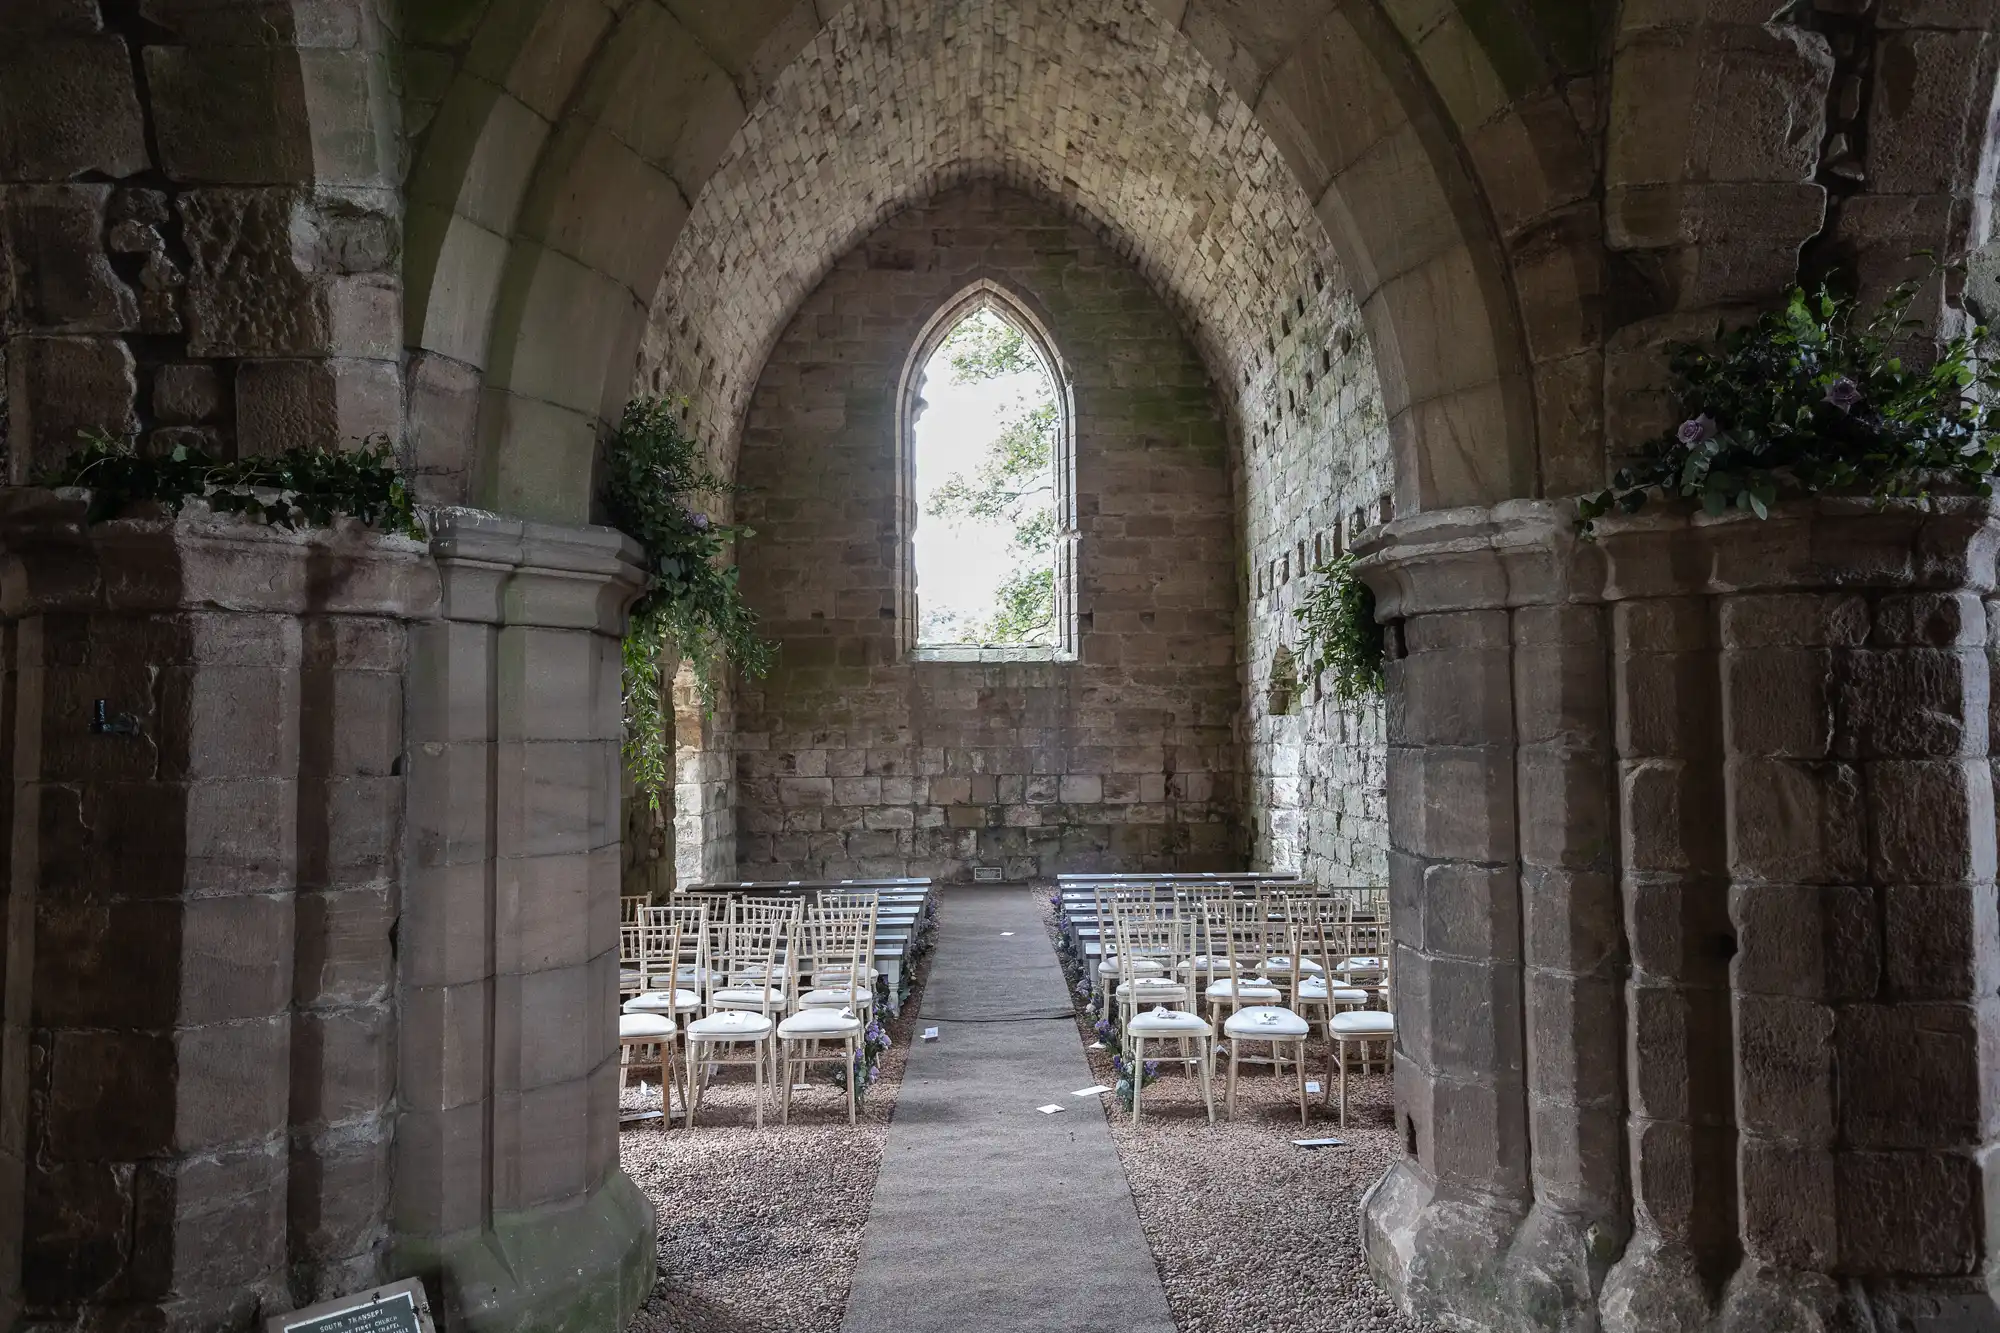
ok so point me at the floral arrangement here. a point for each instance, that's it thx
(654, 475)
(867, 1061)
(1106, 1031)
(1149, 1074)
(303, 487)
(1338, 631)
(1811, 397)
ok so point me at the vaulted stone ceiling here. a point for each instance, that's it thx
(1095, 103)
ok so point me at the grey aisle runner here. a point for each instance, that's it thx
(989, 1217)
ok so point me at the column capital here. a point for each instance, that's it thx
(511, 571)
(1516, 553)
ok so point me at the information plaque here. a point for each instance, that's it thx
(399, 1307)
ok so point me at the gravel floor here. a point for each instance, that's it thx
(1252, 1234)
(759, 1233)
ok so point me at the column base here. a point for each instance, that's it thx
(581, 1266)
(1438, 1258)
(1553, 1270)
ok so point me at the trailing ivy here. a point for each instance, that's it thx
(300, 488)
(1814, 397)
(692, 602)
(1338, 632)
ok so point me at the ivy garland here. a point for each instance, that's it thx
(1815, 397)
(692, 602)
(299, 488)
(1338, 631)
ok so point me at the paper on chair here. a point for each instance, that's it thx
(1051, 1109)
(1090, 1091)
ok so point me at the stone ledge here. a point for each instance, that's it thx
(50, 556)
(511, 571)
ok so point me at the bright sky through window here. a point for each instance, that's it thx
(985, 486)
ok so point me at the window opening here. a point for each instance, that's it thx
(990, 534)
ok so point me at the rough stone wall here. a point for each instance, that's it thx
(851, 760)
(202, 229)
(1313, 472)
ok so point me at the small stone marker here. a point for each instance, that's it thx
(399, 1307)
(930, 1034)
(1051, 1109)
(1090, 1091)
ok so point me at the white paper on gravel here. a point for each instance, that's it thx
(1312, 1085)
(1006, 932)
(1051, 1109)
(1319, 1143)
(1095, 1046)
(1090, 1091)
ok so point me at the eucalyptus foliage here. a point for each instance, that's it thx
(306, 487)
(654, 473)
(1338, 632)
(1811, 397)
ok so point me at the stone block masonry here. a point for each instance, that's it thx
(853, 760)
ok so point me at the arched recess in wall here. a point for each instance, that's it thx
(1017, 309)
(553, 185)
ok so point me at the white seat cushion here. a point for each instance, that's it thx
(832, 997)
(1283, 964)
(837, 976)
(1170, 1022)
(1230, 988)
(644, 1027)
(1363, 1023)
(1154, 990)
(1368, 964)
(663, 1002)
(1314, 988)
(820, 1023)
(731, 1025)
(1261, 1022)
(1145, 967)
(729, 997)
(1205, 963)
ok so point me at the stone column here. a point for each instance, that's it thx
(199, 902)
(1800, 825)
(508, 1196)
(1445, 1214)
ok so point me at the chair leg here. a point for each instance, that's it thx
(1302, 1081)
(785, 1098)
(1207, 1059)
(763, 1058)
(853, 1074)
(1340, 1050)
(1234, 1043)
(692, 1098)
(1138, 1075)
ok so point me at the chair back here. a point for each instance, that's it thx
(839, 943)
(684, 931)
(756, 958)
(1246, 930)
(862, 911)
(1148, 930)
(630, 906)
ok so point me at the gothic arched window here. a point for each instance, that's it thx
(986, 476)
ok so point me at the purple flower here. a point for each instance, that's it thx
(699, 519)
(1844, 394)
(1696, 429)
